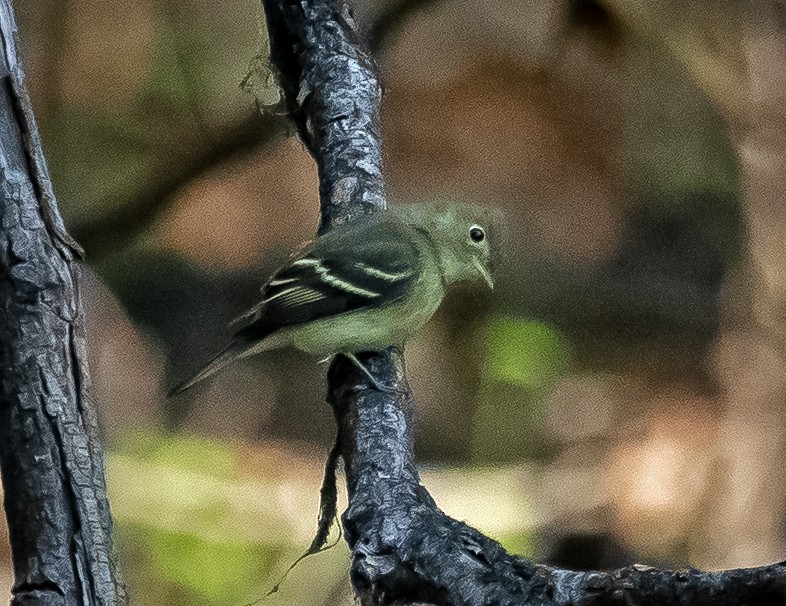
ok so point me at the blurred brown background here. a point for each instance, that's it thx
(620, 398)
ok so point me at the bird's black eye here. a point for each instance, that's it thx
(476, 233)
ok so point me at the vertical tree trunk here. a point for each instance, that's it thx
(51, 461)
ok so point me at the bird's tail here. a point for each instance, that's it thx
(236, 349)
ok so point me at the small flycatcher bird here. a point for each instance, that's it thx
(364, 285)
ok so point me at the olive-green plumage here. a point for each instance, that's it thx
(365, 285)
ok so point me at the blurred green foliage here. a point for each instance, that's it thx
(200, 528)
(524, 357)
(526, 353)
(198, 524)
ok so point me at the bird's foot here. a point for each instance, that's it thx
(376, 383)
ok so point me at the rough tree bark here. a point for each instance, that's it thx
(51, 460)
(404, 549)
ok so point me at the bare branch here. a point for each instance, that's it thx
(333, 96)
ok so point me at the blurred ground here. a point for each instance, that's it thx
(621, 396)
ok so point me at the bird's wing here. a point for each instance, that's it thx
(337, 276)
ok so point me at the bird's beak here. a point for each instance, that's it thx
(483, 271)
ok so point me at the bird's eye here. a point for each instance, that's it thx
(477, 234)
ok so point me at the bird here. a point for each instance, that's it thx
(364, 285)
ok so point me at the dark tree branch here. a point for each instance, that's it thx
(392, 19)
(333, 97)
(104, 234)
(404, 549)
(51, 461)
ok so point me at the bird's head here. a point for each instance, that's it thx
(460, 234)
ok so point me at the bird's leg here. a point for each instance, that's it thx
(367, 372)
